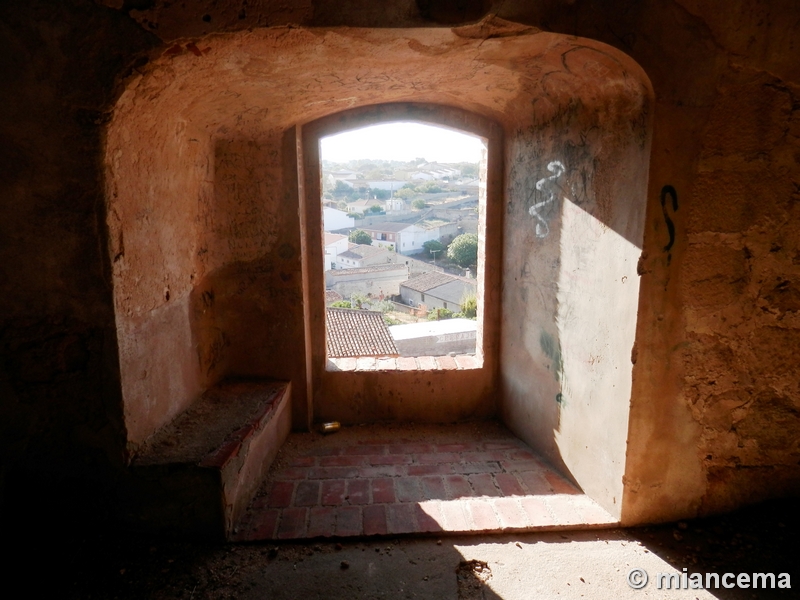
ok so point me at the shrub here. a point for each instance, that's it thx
(469, 306)
(440, 314)
(419, 204)
(359, 236)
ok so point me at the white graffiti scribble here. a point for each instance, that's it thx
(548, 187)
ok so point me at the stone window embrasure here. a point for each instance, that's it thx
(489, 258)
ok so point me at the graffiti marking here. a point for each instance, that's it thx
(668, 190)
(548, 186)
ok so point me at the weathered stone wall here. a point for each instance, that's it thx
(576, 198)
(715, 405)
(60, 401)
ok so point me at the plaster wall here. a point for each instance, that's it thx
(714, 410)
(585, 146)
(573, 234)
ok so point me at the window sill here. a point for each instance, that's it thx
(461, 362)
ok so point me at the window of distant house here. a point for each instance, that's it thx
(406, 174)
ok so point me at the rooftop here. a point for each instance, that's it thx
(332, 296)
(352, 332)
(332, 238)
(390, 227)
(428, 281)
(432, 223)
(361, 251)
(375, 269)
(432, 328)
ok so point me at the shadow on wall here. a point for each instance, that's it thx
(575, 115)
(577, 196)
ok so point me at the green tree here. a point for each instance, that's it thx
(418, 204)
(380, 194)
(341, 304)
(468, 169)
(464, 250)
(375, 208)
(341, 189)
(342, 205)
(431, 187)
(433, 246)
(404, 193)
(359, 236)
(357, 300)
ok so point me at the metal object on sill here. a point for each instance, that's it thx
(331, 427)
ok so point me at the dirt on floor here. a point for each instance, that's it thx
(110, 564)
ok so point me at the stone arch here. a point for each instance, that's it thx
(203, 194)
(334, 388)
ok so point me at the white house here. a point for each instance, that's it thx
(395, 205)
(375, 280)
(333, 219)
(405, 238)
(360, 255)
(335, 244)
(437, 290)
(363, 206)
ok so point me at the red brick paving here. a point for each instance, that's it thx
(429, 517)
(348, 485)
(280, 496)
(454, 517)
(458, 487)
(321, 521)
(333, 492)
(375, 520)
(483, 484)
(446, 363)
(348, 521)
(400, 518)
(307, 493)
(509, 485)
(358, 491)
(383, 490)
(292, 524)
(483, 516)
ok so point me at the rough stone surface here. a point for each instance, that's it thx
(714, 413)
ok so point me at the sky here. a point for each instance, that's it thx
(402, 141)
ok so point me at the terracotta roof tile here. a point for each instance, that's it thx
(332, 296)
(352, 332)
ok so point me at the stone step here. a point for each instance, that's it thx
(196, 475)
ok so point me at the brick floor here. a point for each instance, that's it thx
(406, 480)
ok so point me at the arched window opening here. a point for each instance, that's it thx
(401, 225)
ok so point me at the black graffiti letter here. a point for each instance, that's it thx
(668, 190)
